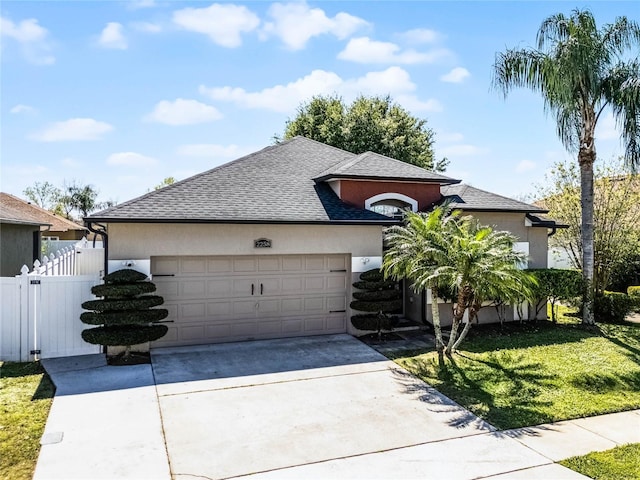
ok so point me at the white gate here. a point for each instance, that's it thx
(40, 316)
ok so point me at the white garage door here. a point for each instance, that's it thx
(225, 299)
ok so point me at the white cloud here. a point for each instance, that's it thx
(606, 128)
(20, 108)
(130, 159)
(525, 166)
(146, 27)
(456, 75)
(285, 98)
(463, 150)
(365, 50)
(420, 35)
(26, 170)
(31, 37)
(449, 137)
(223, 24)
(112, 36)
(183, 112)
(296, 23)
(78, 129)
(213, 150)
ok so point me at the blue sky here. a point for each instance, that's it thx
(120, 95)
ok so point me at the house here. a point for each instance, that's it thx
(268, 245)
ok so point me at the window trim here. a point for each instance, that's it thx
(391, 196)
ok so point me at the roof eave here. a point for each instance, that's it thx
(325, 178)
(239, 221)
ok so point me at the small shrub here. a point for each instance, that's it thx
(380, 298)
(612, 307)
(554, 285)
(634, 291)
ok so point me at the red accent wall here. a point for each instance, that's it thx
(356, 192)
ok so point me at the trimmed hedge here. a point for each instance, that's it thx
(382, 285)
(374, 322)
(374, 275)
(144, 302)
(613, 307)
(124, 317)
(123, 290)
(378, 295)
(387, 306)
(124, 334)
(634, 290)
(124, 276)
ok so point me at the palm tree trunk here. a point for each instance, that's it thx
(586, 158)
(458, 313)
(473, 312)
(435, 314)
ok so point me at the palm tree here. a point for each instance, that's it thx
(580, 72)
(446, 252)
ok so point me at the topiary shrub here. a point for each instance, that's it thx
(124, 314)
(634, 290)
(612, 307)
(379, 298)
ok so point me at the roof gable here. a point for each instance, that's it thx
(373, 166)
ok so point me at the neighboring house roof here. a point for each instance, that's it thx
(373, 166)
(18, 211)
(273, 185)
(468, 198)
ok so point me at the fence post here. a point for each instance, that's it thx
(23, 312)
(35, 314)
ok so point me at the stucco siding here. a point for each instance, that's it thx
(515, 223)
(144, 240)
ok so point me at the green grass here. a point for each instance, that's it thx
(620, 463)
(25, 399)
(521, 375)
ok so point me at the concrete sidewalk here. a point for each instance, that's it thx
(106, 423)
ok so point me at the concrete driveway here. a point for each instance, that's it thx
(314, 407)
(236, 409)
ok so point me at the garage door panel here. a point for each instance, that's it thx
(164, 265)
(167, 288)
(337, 262)
(195, 265)
(219, 265)
(193, 288)
(269, 264)
(292, 264)
(210, 299)
(244, 265)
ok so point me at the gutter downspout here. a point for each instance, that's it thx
(105, 242)
(553, 232)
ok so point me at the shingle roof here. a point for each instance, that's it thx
(16, 210)
(273, 185)
(468, 198)
(379, 167)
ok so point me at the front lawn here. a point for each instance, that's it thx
(25, 399)
(521, 375)
(620, 463)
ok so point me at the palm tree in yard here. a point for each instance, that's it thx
(581, 71)
(446, 252)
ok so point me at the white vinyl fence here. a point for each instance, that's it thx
(40, 316)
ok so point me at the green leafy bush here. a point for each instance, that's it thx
(123, 290)
(555, 285)
(124, 317)
(374, 275)
(634, 290)
(381, 285)
(385, 306)
(377, 295)
(380, 298)
(124, 276)
(139, 303)
(126, 335)
(613, 307)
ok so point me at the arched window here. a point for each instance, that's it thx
(391, 204)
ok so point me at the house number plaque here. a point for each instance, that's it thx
(262, 243)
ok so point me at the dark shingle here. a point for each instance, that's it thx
(468, 198)
(274, 184)
(375, 166)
